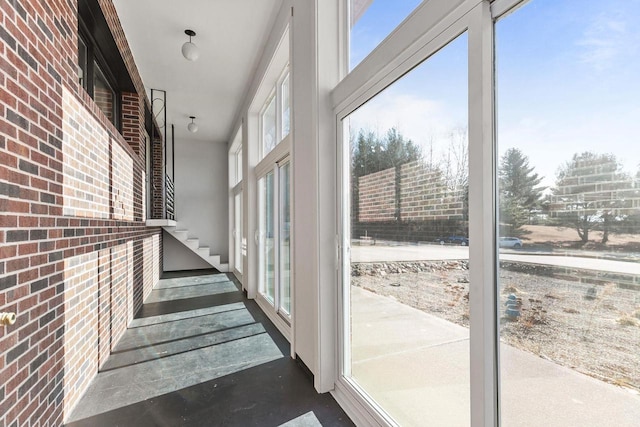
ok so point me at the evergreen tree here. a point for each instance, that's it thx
(519, 192)
(398, 150)
(371, 154)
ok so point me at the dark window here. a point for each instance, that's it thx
(101, 69)
(82, 62)
(103, 94)
(96, 77)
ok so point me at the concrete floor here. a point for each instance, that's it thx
(416, 366)
(200, 354)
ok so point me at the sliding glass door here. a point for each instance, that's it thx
(237, 230)
(284, 247)
(407, 316)
(274, 238)
(267, 237)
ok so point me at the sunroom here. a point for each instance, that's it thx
(436, 203)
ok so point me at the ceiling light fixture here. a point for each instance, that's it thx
(189, 50)
(193, 128)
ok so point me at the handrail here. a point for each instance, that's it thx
(170, 198)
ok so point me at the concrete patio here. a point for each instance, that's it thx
(416, 366)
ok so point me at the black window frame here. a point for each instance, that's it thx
(94, 55)
(83, 67)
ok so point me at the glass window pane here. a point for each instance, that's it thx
(286, 113)
(569, 213)
(269, 127)
(82, 62)
(267, 254)
(238, 231)
(285, 241)
(371, 21)
(239, 165)
(103, 95)
(407, 326)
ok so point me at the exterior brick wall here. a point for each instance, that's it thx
(377, 196)
(103, 98)
(158, 179)
(424, 196)
(76, 259)
(408, 203)
(420, 194)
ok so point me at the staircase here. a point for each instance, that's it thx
(204, 252)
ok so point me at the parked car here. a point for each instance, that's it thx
(454, 240)
(510, 242)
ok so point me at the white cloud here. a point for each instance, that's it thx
(422, 120)
(604, 41)
(550, 142)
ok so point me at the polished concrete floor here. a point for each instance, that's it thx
(200, 354)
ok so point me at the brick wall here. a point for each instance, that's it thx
(158, 179)
(377, 196)
(103, 97)
(415, 194)
(76, 260)
(424, 195)
(408, 203)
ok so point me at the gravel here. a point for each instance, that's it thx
(592, 328)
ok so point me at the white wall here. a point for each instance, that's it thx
(201, 183)
(315, 70)
(176, 258)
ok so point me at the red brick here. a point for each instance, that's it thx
(28, 276)
(37, 97)
(7, 251)
(7, 221)
(16, 264)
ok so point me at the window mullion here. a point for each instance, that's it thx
(278, 99)
(482, 224)
(276, 237)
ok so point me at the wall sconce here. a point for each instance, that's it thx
(189, 50)
(193, 128)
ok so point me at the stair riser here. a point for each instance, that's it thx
(194, 245)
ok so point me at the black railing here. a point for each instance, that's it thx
(163, 175)
(170, 198)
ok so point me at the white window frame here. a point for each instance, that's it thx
(432, 26)
(237, 235)
(235, 188)
(286, 75)
(271, 90)
(271, 98)
(275, 96)
(276, 157)
(276, 227)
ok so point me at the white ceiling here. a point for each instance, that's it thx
(230, 35)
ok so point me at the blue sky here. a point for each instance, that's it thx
(379, 20)
(568, 80)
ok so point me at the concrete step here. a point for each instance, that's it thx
(181, 235)
(204, 251)
(193, 244)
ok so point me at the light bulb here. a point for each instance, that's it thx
(190, 51)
